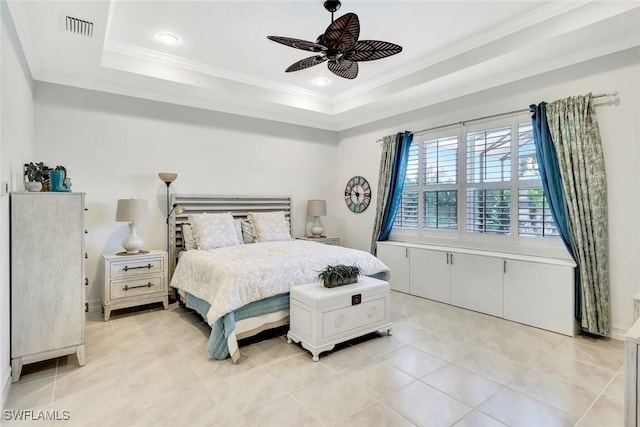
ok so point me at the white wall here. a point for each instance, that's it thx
(16, 146)
(358, 153)
(114, 146)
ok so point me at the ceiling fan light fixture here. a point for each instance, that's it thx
(168, 38)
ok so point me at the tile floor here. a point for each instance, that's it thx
(443, 366)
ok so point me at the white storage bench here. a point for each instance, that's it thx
(323, 317)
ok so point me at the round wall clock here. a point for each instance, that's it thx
(357, 194)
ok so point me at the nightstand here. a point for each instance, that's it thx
(131, 280)
(323, 239)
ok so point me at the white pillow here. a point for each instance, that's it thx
(269, 226)
(188, 242)
(212, 231)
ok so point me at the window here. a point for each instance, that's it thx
(489, 181)
(534, 216)
(495, 172)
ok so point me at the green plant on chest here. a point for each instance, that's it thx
(338, 275)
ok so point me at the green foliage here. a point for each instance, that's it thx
(38, 172)
(338, 275)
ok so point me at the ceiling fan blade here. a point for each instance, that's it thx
(344, 68)
(369, 50)
(298, 44)
(306, 63)
(343, 33)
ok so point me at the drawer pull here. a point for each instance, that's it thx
(127, 287)
(127, 268)
(86, 281)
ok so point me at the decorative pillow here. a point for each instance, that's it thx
(248, 234)
(212, 231)
(269, 226)
(237, 224)
(188, 242)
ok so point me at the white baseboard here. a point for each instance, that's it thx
(95, 305)
(6, 388)
(618, 332)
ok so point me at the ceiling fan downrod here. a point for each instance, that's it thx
(332, 6)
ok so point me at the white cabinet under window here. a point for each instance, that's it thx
(537, 294)
(397, 259)
(476, 283)
(535, 291)
(430, 274)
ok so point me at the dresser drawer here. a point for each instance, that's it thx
(136, 287)
(353, 317)
(133, 268)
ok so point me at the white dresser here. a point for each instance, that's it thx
(131, 280)
(323, 317)
(47, 277)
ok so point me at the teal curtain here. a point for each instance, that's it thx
(576, 138)
(393, 167)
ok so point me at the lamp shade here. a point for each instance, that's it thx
(316, 207)
(167, 177)
(132, 210)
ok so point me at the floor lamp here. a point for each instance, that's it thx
(168, 178)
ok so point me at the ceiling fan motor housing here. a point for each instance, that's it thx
(332, 5)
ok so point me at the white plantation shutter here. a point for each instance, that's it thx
(497, 192)
(488, 176)
(534, 214)
(489, 155)
(440, 178)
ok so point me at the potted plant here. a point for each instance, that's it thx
(37, 175)
(338, 275)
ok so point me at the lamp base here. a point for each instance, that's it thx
(316, 231)
(134, 243)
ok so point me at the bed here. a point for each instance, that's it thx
(243, 289)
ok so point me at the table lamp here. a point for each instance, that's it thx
(316, 209)
(132, 211)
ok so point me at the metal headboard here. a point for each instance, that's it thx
(239, 206)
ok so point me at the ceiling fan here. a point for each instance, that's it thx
(339, 46)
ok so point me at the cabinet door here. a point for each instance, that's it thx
(539, 295)
(397, 259)
(430, 274)
(476, 283)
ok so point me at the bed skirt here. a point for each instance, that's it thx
(244, 322)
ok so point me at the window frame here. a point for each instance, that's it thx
(461, 234)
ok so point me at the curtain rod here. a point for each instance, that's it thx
(524, 110)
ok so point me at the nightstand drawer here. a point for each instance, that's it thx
(132, 267)
(137, 287)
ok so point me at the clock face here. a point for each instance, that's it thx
(357, 194)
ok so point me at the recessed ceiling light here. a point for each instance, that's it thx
(320, 81)
(168, 38)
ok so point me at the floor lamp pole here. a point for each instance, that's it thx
(168, 178)
(168, 214)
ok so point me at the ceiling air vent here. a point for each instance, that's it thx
(79, 26)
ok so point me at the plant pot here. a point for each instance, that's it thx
(33, 186)
(329, 283)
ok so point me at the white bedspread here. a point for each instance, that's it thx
(230, 277)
